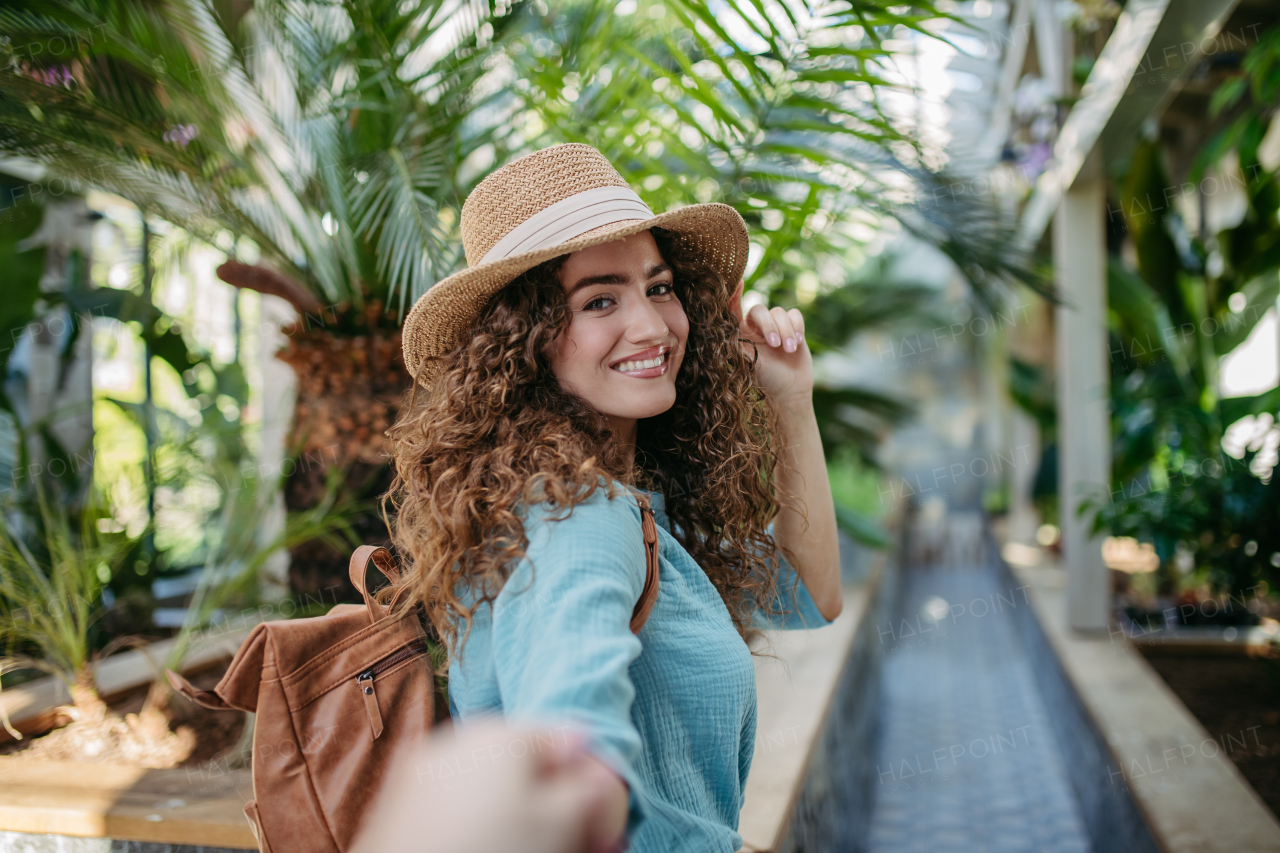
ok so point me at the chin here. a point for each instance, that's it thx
(639, 406)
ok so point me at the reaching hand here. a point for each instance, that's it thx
(495, 788)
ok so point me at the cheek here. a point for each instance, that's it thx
(564, 351)
(559, 350)
(677, 321)
(578, 348)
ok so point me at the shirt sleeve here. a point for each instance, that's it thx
(791, 597)
(562, 641)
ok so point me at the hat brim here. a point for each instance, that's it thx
(441, 318)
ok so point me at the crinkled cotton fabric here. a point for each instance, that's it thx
(672, 711)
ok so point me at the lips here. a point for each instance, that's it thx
(650, 362)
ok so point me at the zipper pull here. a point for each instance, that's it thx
(365, 682)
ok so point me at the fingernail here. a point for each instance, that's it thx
(790, 344)
(774, 339)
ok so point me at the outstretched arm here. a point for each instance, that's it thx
(806, 532)
(562, 643)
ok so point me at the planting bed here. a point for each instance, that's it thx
(1237, 699)
(216, 732)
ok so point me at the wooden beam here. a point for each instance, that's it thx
(1186, 34)
(1142, 66)
(1015, 57)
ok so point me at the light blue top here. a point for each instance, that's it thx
(672, 710)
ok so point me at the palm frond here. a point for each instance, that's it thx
(772, 107)
(264, 129)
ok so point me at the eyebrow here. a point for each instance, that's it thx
(615, 278)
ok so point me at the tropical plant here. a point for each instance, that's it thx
(319, 143)
(326, 134)
(23, 268)
(339, 137)
(42, 435)
(1190, 303)
(51, 582)
(1245, 104)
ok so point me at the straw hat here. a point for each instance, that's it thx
(552, 202)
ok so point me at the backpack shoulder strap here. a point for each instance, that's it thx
(359, 566)
(649, 595)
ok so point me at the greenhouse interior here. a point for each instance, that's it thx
(959, 316)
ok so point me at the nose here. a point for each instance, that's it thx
(645, 323)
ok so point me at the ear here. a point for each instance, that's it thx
(735, 302)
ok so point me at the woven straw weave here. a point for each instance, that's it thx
(521, 188)
(440, 320)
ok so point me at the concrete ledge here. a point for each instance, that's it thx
(1249, 641)
(833, 808)
(191, 806)
(20, 842)
(1157, 756)
(797, 784)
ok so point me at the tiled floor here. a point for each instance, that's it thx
(966, 758)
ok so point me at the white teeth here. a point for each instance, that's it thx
(628, 366)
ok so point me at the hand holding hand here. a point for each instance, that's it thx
(497, 788)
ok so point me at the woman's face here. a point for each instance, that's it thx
(625, 342)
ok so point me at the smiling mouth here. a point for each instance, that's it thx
(655, 366)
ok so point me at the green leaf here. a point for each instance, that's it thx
(1233, 328)
(22, 270)
(1235, 408)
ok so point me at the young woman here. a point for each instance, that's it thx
(592, 358)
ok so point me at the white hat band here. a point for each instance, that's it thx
(569, 218)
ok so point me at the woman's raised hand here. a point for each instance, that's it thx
(784, 368)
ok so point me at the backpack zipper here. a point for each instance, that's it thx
(417, 648)
(365, 681)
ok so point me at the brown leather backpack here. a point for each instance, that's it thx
(336, 697)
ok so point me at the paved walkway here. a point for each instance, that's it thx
(966, 759)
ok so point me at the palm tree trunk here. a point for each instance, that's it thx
(349, 392)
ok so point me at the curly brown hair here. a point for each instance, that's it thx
(497, 431)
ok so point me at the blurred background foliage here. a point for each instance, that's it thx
(1189, 467)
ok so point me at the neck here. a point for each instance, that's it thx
(624, 432)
